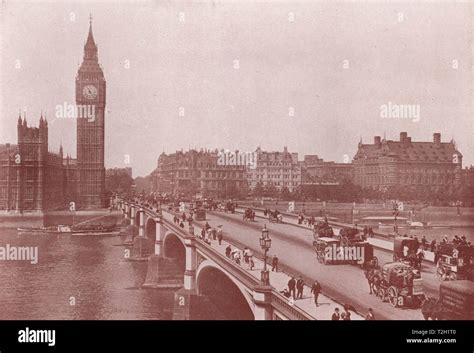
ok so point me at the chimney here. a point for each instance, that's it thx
(408, 140)
(437, 138)
(377, 140)
(403, 138)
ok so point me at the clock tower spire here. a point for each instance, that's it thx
(90, 101)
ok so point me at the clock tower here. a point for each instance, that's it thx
(90, 101)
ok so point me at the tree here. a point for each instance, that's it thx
(119, 181)
(259, 190)
(285, 193)
(271, 191)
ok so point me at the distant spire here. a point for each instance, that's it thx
(90, 48)
(384, 136)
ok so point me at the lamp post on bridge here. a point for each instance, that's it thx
(395, 212)
(265, 244)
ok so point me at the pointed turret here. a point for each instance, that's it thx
(90, 48)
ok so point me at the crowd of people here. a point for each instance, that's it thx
(295, 287)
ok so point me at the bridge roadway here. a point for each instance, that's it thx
(344, 283)
(277, 279)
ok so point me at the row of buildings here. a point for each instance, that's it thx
(384, 165)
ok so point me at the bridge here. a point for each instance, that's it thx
(178, 259)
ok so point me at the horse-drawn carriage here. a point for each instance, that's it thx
(322, 229)
(200, 214)
(455, 302)
(368, 260)
(275, 216)
(229, 206)
(407, 250)
(331, 251)
(455, 262)
(321, 246)
(349, 236)
(249, 215)
(398, 283)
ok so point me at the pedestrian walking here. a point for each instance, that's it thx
(237, 256)
(423, 242)
(335, 315)
(299, 288)
(292, 287)
(346, 315)
(275, 263)
(370, 315)
(228, 251)
(251, 263)
(315, 290)
(246, 255)
(371, 232)
(219, 234)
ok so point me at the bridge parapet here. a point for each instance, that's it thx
(265, 302)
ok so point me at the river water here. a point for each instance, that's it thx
(77, 278)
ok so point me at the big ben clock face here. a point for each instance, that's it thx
(89, 92)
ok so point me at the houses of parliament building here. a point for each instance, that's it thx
(32, 178)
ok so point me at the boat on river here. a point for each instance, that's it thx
(71, 230)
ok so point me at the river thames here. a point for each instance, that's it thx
(77, 278)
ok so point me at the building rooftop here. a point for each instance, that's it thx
(408, 150)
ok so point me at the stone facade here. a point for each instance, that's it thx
(275, 169)
(91, 93)
(197, 172)
(31, 177)
(408, 165)
(316, 170)
(34, 179)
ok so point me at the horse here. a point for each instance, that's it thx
(374, 277)
(431, 309)
(249, 215)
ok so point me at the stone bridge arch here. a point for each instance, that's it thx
(136, 217)
(150, 228)
(224, 291)
(173, 247)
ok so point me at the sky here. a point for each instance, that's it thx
(311, 76)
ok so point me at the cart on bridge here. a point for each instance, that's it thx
(401, 285)
(455, 302)
(456, 261)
